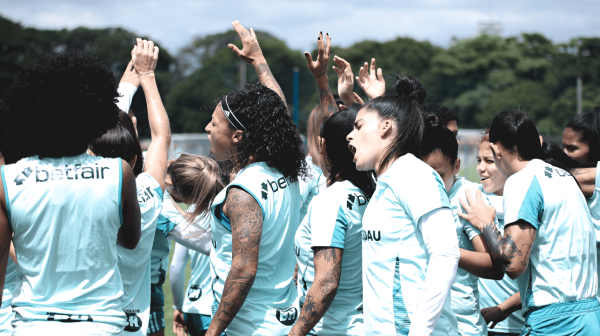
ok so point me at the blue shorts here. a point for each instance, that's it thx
(157, 313)
(196, 324)
(569, 318)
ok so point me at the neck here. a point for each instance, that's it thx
(516, 166)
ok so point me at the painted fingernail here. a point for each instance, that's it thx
(318, 38)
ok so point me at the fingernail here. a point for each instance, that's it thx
(318, 38)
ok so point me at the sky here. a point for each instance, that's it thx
(175, 23)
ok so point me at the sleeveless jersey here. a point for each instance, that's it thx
(335, 220)
(6, 312)
(550, 200)
(309, 189)
(494, 292)
(65, 214)
(465, 294)
(273, 291)
(135, 264)
(395, 258)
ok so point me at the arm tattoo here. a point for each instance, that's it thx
(505, 249)
(266, 78)
(326, 98)
(323, 291)
(246, 229)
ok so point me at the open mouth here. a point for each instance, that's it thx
(352, 149)
(483, 178)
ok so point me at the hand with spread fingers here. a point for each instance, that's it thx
(251, 51)
(144, 56)
(477, 213)
(319, 70)
(371, 82)
(345, 80)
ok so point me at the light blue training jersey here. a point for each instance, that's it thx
(465, 294)
(550, 200)
(335, 220)
(273, 292)
(159, 258)
(6, 312)
(594, 206)
(135, 264)
(494, 292)
(310, 188)
(65, 214)
(395, 258)
(199, 296)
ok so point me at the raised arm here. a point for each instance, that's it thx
(371, 82)
(246, 219)
(251, 53)
(345, 81)
(128, 86)
(328, 267)
(319, 70)
(145, 56)
(510, 250)
(131, 229)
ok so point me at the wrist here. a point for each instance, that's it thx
(147, 78)
(258, 60)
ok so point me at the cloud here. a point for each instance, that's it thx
(175, 23)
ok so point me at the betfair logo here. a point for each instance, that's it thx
(362, 200)
(275, 186)
(68, 317)
(134, 322)
(76, 172)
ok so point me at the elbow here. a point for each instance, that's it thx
(516, 271)
(497, 275)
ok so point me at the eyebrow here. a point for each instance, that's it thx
(356, 122)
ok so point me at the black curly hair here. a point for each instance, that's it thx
(270, 134)
(441, 112)
(56, 106)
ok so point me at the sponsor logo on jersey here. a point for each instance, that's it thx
(134, 322)
(362, 200)
(194, 293)
(549, 170)
(286, 316)
(60, 317)
(214, 242)
(46, 173)
(275, 186)
(145, 194)
(371, 235)
(297, 250)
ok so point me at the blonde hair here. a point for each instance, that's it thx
(313, 131)
(198, 180)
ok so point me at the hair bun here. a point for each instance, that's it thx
(410, 88)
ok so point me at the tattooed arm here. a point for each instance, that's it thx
(328, 266)
(5, 237)
(480, 262)
(251, 53)
(131, 230)
(319, 70)
(246, 219)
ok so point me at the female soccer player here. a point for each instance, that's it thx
(439, 149)
(122, 142)
(493, 294)
(544, 213)
(329, 241)
(67, 272)
(258, 211)
(410, 247)
(581, 137)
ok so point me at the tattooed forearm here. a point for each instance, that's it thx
(326, 98)
(328, 267)
(266, 78)
(246, 228)
(513, 249)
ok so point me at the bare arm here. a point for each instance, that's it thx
(587, 180)
(246, 219)
(319, 71)
(251, 53)
(480, 262)
(502, 311)
(345, 81)
(5, 238)
(145, 56)
(328, 266)
(131, 229)
(513, 249)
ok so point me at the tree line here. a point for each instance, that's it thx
(478, 76)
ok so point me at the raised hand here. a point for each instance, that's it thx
(144, 56)
(130, 76)
(372, 83)
(319, 70)
(251, 51)
(319, 67)
(345, 80)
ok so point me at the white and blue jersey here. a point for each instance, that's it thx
(65, 214)
(594, 206)
(395, 258)
(335, 220)
(465, 294)
(6, 312)
(271, 307)
(494, 292)
(309, 189)
(199, 297)
(159, 259)
(550, 200)
(135, 264)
